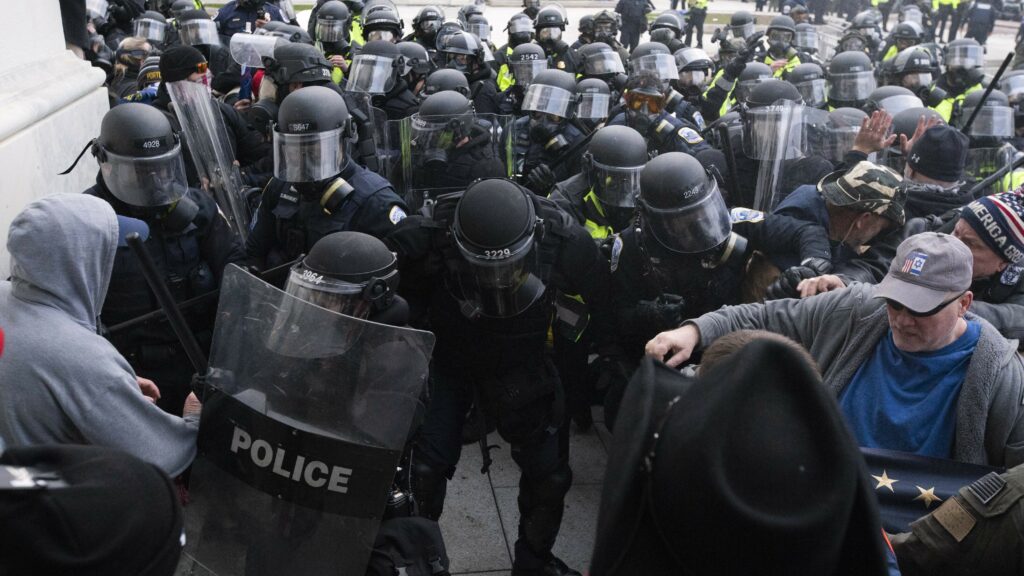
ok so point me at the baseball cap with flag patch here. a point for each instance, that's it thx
(867, 187)
(929, 269)
(998, 221)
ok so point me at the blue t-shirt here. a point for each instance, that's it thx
(906, 401)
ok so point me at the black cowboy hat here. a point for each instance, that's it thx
(749, 469)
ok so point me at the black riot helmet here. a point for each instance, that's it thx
(681, 207)
(152, 26)
(670, 21)
(466, 12)
(311, 135)
(695, 68)
(300, 63)
(177, 7)
(140, 156)
(606, 26)
(552, 93)
(806, 37)
(196, 28)
(446, 79)
(586, 27)
(526, 61)
(549, 24)
(479, 26)
(780, 34)
(382, 22)
(443, 120)
(993, 124)
(612, 163)
(964, 59)
(905, 123)
(728, 49)
(600, 61)
(418, 63)
(495, 230)
(332, 22)
(520, 29)
(354, 6)
(868, 25)
(653, 57)
(292, 33)
(809, 79)
(851, 79)
(463, 52)
(911, 68)
(594, 99)
(446, 30)
(741, 24)
(376, 68)
(348, 272)
(770, 91)
(892, 99)
(907, 34)
(752, 75)
(427, 22)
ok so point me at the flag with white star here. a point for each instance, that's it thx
(909, 486)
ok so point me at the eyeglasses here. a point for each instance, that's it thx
(901, 308)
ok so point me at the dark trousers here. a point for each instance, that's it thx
(945, 11)
(696, 17)
(630, 34)
(885, 8)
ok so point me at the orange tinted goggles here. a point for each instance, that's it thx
(637, 101)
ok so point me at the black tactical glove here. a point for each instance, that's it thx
(662, 314)
(736, 66)
(753, 42)
(785, 285)
(541, 180)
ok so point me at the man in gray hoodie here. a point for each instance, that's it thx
(912, 369)
(60, 381)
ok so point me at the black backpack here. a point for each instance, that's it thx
(409, 546)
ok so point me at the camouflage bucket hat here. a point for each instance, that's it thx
(867, 187)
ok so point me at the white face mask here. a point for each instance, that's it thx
(268, 90)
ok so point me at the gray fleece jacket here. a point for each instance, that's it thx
(842, 327)
(60, 382)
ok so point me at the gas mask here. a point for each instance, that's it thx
(779, 42)
(544, 127)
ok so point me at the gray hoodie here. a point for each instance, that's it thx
(60, 382)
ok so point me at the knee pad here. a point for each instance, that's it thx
(429, 485)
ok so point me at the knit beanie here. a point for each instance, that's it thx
(940, 153)
(997, 220)
(179, 62)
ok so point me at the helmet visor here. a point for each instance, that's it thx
(499, 283)
(371, 74)
(698, 78)
(482, 30)
(593, 106)
(152, 30)
(386, 35)
(780, 36)
(308, 157)
(199, 33)
(691, 56)
(331, 30)
(743, 87)
(603, 63)
(326, 292)
(146, 182)
(893, 105)
(915, 80)
(814, 92)
(694, 228)
(525, 70)
(839, 140)
(743, 30)
(773, 132)
(548, 99)
(664, 65)
(615, 185)
(432, 133)
(994, 121)
(604, 28)
(251, 49)
(849, 86)
(520, 26)
(1013, 86)
(549, 33)
(806, 39)
(968, 56)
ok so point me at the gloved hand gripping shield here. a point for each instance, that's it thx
(305, 414)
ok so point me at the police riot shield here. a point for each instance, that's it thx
(305, 415)
(430, 143)
(208, 144)
(984, 162)
(787, 139)
(373, 149)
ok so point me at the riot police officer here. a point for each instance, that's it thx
(445, 79)
(142, 175)
(376, 70)
(685, 99)
(463, 51)
(646, 112)
(915, 70)
(809, 79)
(425, 26)
(964, 59)
(585, 32)
(543, 138)
(780, 54)
(667, 29)
(520, 31)
(245, 16)
(418, 65)
(331, 35)
(196, 29)
(595, 102)
(493, 257)
(526, 61)
(549, 26)
(851, 79)
(904, 35)
(598, 60)
(606, 30)
(382, 22)
(317, 189)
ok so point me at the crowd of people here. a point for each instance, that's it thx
(824, 233)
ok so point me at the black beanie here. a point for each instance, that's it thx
(115, 515)
(179, 62)
(940, 153)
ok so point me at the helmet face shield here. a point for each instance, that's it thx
(614, 185)
(603, 63)
(525, 70)
(199, 33)
(150, 29)
(697, 78)
(664, 65)
(691, 229)
(499, 283)
(145, 182)
(433, 135)
(743, 30)
(429, 27)
(371, 74)
(893, 105)
(851, 86)
(915, 80)
(814, 92)
(780, 36)
(549, 33)
(965, 56)
(1013, 87)
(991, 121)
(604, 29)
(548, 99)
(520, 26)
(326, 292)
(593, 106)
(481, 30)
(806, 39)
(310, 157)
(386, 35)
(331, 30)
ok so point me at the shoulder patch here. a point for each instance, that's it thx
(396, 214)
(616, 252)
(690, 135)
(745, 215)
(1011, 276)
